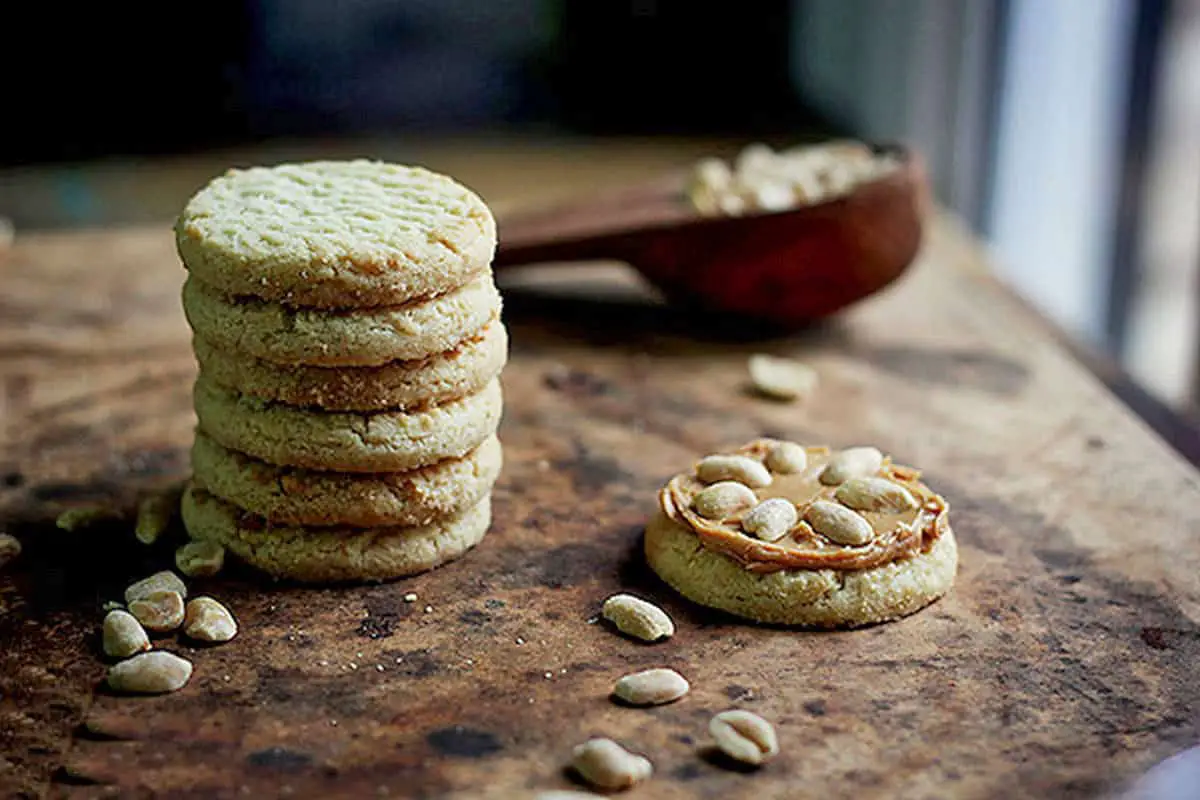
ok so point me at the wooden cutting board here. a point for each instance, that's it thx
(1062, 664)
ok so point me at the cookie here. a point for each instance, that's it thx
(385, 441)
(844, 539)
(335, 234)
(296, 496)
(397, 385)
(333, 555)
(366, 337)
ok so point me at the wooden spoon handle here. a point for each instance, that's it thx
(596, 227)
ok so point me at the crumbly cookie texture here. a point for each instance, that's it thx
(356, 338)
(866, 541)
(333, 555)
(335, 234)
(297, 496)
(386, 441)
(398, 385)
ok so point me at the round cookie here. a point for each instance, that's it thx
(797, 574)
(296, 496)
(385, 441)
(333, 555)
(396, 385)
(335, 234)
(366, 337)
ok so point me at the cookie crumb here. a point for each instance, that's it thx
(201, 559)
(74, 519)
(155, 513)
(411, 597)
(10, 548)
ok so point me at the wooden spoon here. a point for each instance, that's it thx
(786, 268)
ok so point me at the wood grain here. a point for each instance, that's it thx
(1061, 665)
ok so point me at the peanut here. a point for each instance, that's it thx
(200, 559)
(652, 687)
(712, 173)
(158, 582)
(123, 635)
(742, 469)
(160, 611)
(744, 736)
(606, 765)
(771, 520)
(150, 673)
(853, 462)
(773, 196)
(206, 620)
(874, 494)
(838, 523)
(765, 180)
(635, 617)
(786, 458)
(723, 499)
(781, 378)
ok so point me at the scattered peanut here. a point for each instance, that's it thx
(771, 520)
(723, 499)
(207, 620)
(635, 617)
(874, 494)
(652, 687)
(123, 635)
(200, 559)
(156, 672)
(10, 548)
(742, 469)
(786, 458)
(781, 378)
(744, 736)
(838, 523)
(155, 514)
(74, 519)
(606, 765)
(160, 611)
(165, 581)
(853, 462)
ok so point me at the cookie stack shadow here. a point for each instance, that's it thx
(348, 334)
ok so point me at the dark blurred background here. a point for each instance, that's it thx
(1066, 133)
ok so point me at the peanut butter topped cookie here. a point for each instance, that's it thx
(778, 532)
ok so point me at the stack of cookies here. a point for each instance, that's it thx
(348, 334)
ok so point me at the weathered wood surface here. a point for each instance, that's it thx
(1063, 663)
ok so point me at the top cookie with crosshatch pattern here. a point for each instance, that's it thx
(335, 234)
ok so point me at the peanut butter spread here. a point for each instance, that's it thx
(900, 530)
